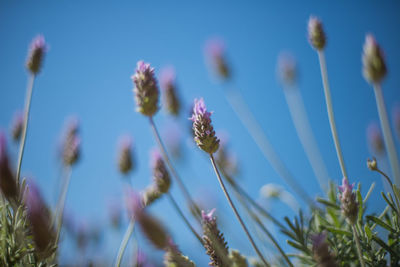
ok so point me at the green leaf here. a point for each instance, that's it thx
(360, 203)
(338, 231)
(368, 232)
(328, 203)
(391, 204)
(381, 223)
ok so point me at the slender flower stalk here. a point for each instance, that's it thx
(124, 242)
(359, 250)
(317, 40)
(61, 202)
(34, 63)
(302, 125)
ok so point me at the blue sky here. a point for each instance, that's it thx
(94, 47)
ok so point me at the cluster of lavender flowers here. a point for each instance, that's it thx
(334, 231)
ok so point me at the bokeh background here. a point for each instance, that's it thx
(93, 50)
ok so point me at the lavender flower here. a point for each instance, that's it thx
(215, 52)
(146, 89)
(17, 126)
(372, 164)
(8, 185)
(348, 201)
(174, 257)
(142, 261)
(40, 220)
(71, 143)
(374, 67)
(125, 157)
(316, 34)
(287, 69)
(214, 241)
(226, 160)
(36, 54)
(321, 252)
(115, 214)
(204, 133)
(375, 139)
(168, 84)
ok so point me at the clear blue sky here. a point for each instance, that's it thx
(94, 47)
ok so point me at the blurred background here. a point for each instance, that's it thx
(93, 50)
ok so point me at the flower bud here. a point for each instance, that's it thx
(375, 139)
(204, 133)
(316, 34)
(146, 89)
(125, 158)
(40, 220)
(168, 84)
(215, 52)
(8, 185)
(36, 54)
(374, 67)
(321, 252)
(372, 164)
(349, 205)
(287, 69)
(17, 126)
(160, 173)
(71, 143)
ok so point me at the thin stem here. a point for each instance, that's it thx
(124, 242)
(359, 251)
(247, 118)
(306, 136)
(170, 197)
(235, 210)
(392, 186)
(387, 133)
(171, 167)
(263, 228)
(28, 101)
(331, 116)
(61, 202)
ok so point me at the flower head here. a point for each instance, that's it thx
(287, 69)
(349, 204)
(170, 96)
(321, 252)
(160, 173)
(316, 34)
(215, 52)
(146, 89)
(374, 66)
(17, 126)
(375, 139)
(37, 51)
(8, 185)
(125, 157)
(71, 143)
(204, 133)
(40, 219)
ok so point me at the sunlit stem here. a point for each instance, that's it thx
(28, 101)
(235, 211)
(329, 107)
(393, 190)
(247, 118)
(359, 251)
(125, 242)
(172, 168)
(387, 133)
(306, 136)
(61, 202)
(180, 213)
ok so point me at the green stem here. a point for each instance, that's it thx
(359, 251)
(387, 134)
(171, 167)
(175, 205)
(28, 101)
(235, 211)
(61, 203)
(329, 107)
(124, 242)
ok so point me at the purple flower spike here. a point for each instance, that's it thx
(375, 139)
(146, 89)
(318, 239)
(215, 52)
(8, 185)
(125, 157)
(171, 99)
(347, 197)
(204, 133)
(316, 34)
(374, 66)
(287, 69)
(37, 51)
(17, 126)
(321, 252)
